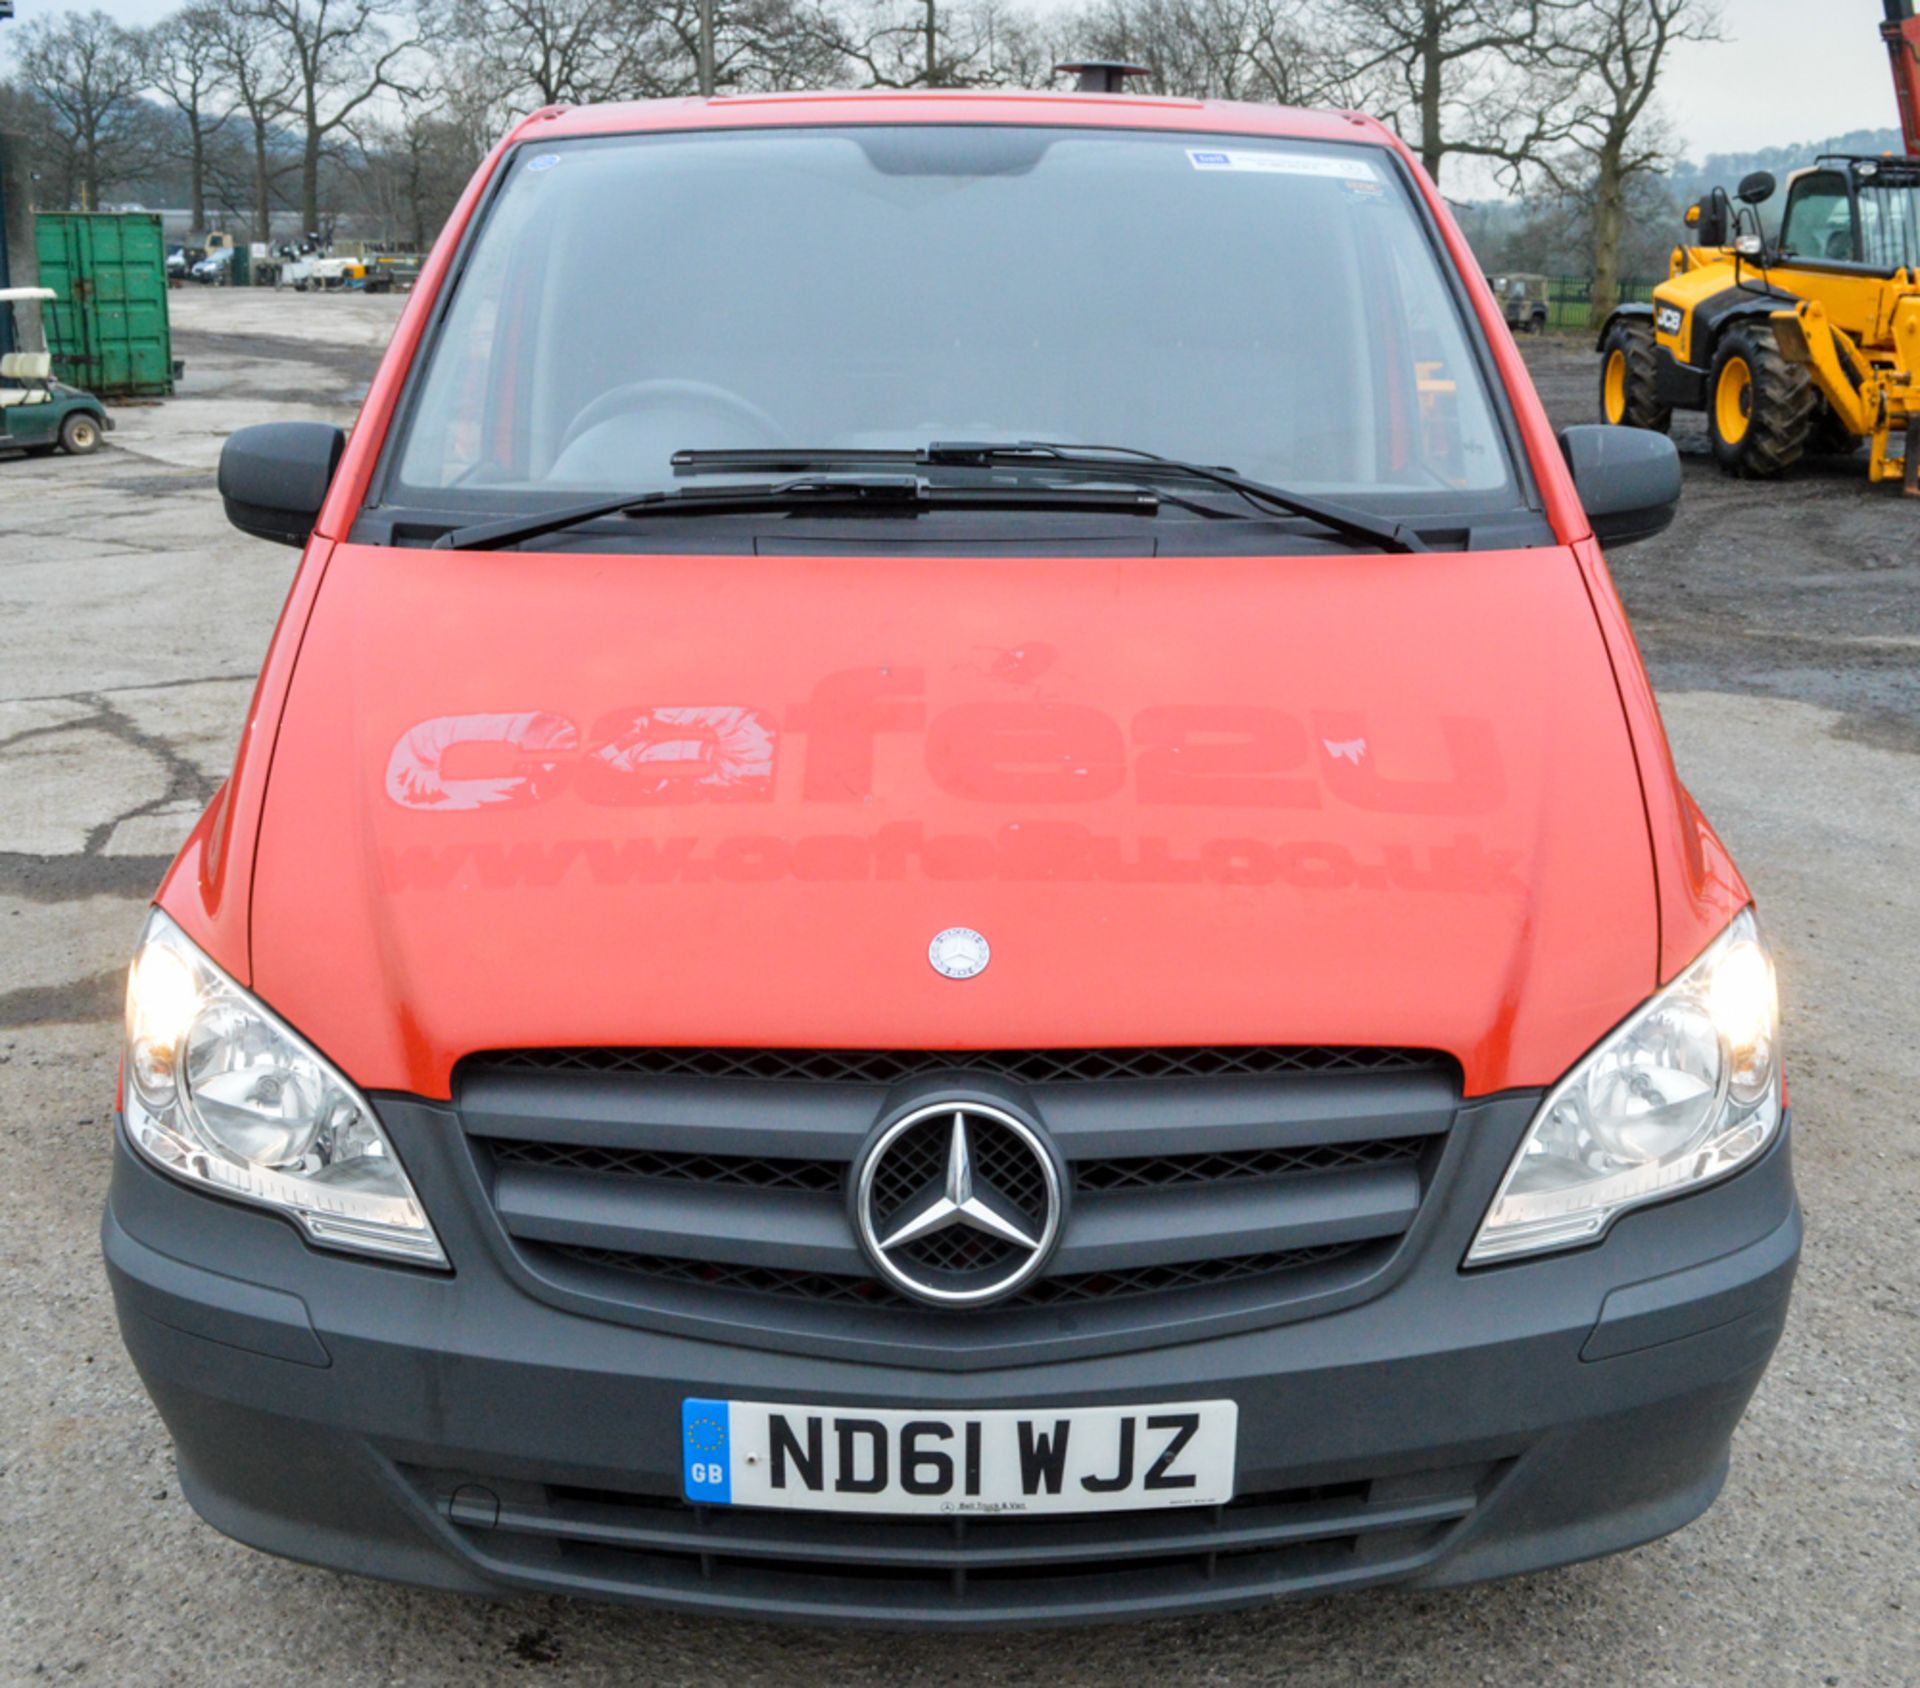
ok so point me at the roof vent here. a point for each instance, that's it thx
(1101, 76)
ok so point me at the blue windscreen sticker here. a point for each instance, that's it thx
(1262, 161)
(706, 1453)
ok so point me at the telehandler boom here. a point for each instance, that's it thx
(1901, 32)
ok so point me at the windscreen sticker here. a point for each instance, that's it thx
(546, 161)
(1283, 164)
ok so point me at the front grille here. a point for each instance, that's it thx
(1133, 1172)
(709, 1183)
(1166, 1172)
(1022, 1066)
(572, 1536)
(849, 1289)
(759, 1172)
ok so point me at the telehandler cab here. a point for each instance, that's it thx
(1808, 342)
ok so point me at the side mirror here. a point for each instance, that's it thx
(1707, 217)
(1756, 189)
(1628, 480)
(274, 477)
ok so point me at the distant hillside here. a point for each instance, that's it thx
(1549, 235)
(1688, 180)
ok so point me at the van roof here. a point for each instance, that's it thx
(942, 105)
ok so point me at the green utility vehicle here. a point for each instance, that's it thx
(1525, 301)
(38, 413)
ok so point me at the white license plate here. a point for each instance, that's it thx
(1077, 1459)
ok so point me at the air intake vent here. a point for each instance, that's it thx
(1024, 1066)
(1119, 1284)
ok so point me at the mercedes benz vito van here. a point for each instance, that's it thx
(953, 899)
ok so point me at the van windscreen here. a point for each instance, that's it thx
(1276, 306)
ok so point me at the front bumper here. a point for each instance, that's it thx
(453, 1431)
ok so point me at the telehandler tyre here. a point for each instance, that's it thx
(1760, 408)
(1627, 393)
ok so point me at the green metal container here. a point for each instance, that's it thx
(108, 330)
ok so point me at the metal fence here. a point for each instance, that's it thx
(1570, 298)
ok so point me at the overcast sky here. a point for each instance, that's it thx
(1790, 70)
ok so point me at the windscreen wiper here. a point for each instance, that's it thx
(1343, 519)
(892, 495)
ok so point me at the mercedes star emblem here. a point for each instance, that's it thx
(959, 953)
(958, 1203)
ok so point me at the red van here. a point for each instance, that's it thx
(953, 900)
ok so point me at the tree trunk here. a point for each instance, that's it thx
(262, 185)
(416, 196)
(1609, 224)
(310, 180)
(933, 44)
(198, 212)
(1433, 147)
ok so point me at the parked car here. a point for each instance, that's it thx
(870, 988)
(216, 268)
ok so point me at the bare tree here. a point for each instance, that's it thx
(759, 46)
(85, 71)
(1455, 77)
(938, 44)
(1273, 50)
(343, 56)
(470, 86)
(249, 57)
(901, 44)
(1614, 52)
(181, 59)
(531, 53)
(550, 52)
(1009, 46)
(412, 171)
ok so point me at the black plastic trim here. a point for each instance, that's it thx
(1714, 315)
(457, 1410)
(1678, 384)
(1619, 313)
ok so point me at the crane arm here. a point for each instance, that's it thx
(1901, 32)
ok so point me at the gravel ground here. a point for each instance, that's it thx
(1783, 628)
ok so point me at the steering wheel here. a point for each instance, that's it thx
(662, 394)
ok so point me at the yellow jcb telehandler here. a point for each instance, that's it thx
(1808, 342)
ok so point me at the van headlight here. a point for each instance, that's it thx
(1683, 1093)
(223, 1094)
